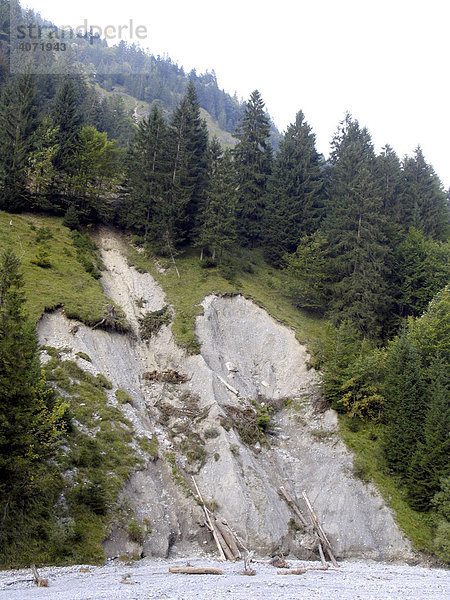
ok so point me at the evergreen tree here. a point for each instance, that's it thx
(31, 418)
(391, 182)
(41, 169)
(309, 275)
(405, 403)
(424, 198)
(355, 232)
(94, 166)
(217, 217)
(67, 118)
(148, 173)
(253, 158)
(294, 205)
(189, 145)
(17, 111)
(429, 464)
(420, 270)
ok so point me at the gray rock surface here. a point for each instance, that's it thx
(245, 356)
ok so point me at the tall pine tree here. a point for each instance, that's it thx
(217, 216)
(68, 119)
(424, 198)
(355, 230)
(17, 123)
(294, 204)
(189, 170)
(148, 173)
(405, 403)
(31, 418)
(253, 158)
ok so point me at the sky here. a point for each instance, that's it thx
(385, 61)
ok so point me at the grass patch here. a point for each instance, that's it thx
(369, 464)
(64, 281)
(248, 274)
(123, 397)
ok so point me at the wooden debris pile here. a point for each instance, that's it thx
(322, 542)
(169, 376)
(227, 542)
(38, 580)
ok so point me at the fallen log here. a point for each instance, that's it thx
(292, 572)
(302, 570)
(227, 385)
(195, 570)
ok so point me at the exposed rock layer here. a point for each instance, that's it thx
(245, 350)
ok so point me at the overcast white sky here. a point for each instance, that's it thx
(386, 61)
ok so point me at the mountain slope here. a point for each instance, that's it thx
(199, 427)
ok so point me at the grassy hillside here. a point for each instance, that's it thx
(62, 269)
(365, 440)
(248, 275)
(59, 268)
(139, 109)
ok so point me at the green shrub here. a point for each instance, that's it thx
(442, 540)
(208, 263)
(42, 258)
(361, 470)
(123, 397)
(135, 531)
(103, 381)
(211, 433)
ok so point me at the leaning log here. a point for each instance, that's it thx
(291, 502)
(229, 538)
(209, 523)
(320, 531)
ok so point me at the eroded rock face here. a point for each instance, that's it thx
(245, 356)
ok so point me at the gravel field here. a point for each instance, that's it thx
(150, 579)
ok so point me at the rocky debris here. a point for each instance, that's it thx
(300, 449)
(169, 376)
(152, 581)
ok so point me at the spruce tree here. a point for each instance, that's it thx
(67, 118)
(424, 198)
(355, 228)
(420, 270)
(294, 205)
(148, 173)
(429, 464)
(390, 180)
(31, 418)
(17, 123)
(217, 216)
(253, 158)
(309, 274)
(189, 170)
(405, 403)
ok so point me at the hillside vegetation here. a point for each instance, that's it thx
(353, 252)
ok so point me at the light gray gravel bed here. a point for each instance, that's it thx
(151, 580)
